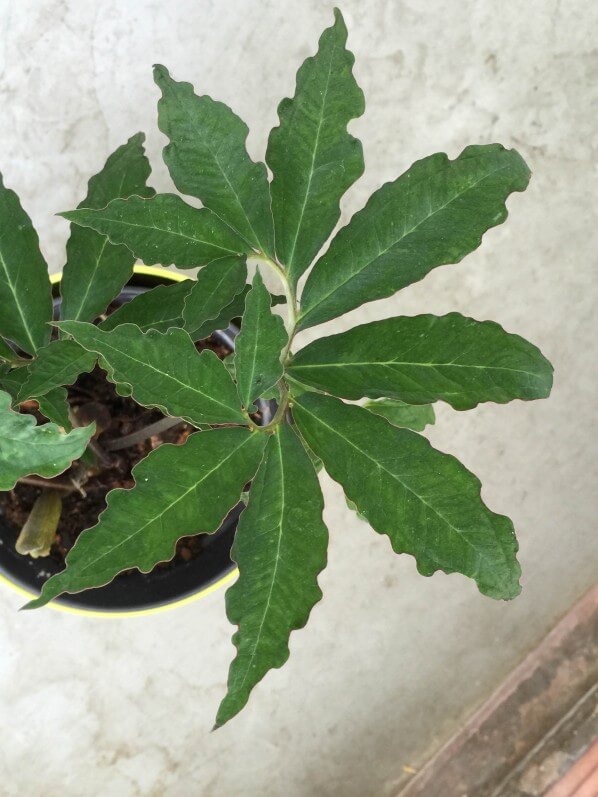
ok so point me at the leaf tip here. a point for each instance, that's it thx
(225, 712)
(64, 325)
(36, 603)
(510, 590)
(137, 139)
(161, 74)
(338, 17)
(66, 214)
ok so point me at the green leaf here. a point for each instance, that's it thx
(296, 388)
(229, 362)
(7, 353)
(27, 449)
(280, 548)
(427, 502)
(312, 157)
(25, 291)
(259, 345)
(401, 414)
(159, 308)
(163, 229)
(54, 405)
(59, 363)
(162, 308)
(315, 460)
(426, 358)
(215, 288)
(163, 370)
(233, 310)
(95, 269)
(179, 490)
(435, 213)
(207, 159)
(13, 380)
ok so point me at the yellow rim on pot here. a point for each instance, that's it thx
(152, 271)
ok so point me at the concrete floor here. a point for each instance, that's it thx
(390, 662)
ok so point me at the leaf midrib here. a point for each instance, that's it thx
(174, 233)
(415, 364)
(90, 281)
(56, 376)
(313, 159)
(96, 266)
(17, 303)
(278, 559)
(162, 373)
(254, 353)
(224, 277)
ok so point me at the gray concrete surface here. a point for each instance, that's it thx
(390, 662)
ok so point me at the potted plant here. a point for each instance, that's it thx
(425, 501)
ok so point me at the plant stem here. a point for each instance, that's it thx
(93, 445)
(283, 406)
(34, 481)
(291, 301)
(117, 443)
(291, 325)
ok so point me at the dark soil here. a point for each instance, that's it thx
(94, 398)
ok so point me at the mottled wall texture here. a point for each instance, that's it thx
(391, 663)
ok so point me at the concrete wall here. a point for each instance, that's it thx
(390, 662)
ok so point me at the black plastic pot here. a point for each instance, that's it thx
(135, 593)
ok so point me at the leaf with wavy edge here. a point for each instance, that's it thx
(57, 364)
(434, 214)
(163, 229)
(54, 405)
(95, 269)
(409, 416)
(163, 370)
(312, 157)
(229, 313)
(162, 308)
(159, 308)
(259, 345)
(280, 548)
(215, 288)
(25, 291)
(427, 502)
(27, 449)
(206, 158)
(233, 310)
(179, 490)
(426, 358)
(12, 381)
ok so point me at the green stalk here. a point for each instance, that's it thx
(291, 326)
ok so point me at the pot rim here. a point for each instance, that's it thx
(174, 276)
